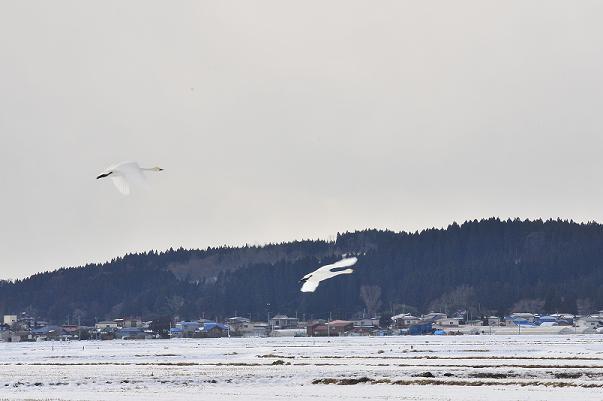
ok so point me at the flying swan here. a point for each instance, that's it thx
(126, 174)
(312, 280)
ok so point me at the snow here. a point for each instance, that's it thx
(521, 367)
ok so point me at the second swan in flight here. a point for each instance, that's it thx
(312, 280)
(127, 174)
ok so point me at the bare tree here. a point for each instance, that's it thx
(78, 315)
(529, 305)
(584, 306)
(460, 298)
(174, 304)
(371, 296)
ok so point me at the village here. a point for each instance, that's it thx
(22, 327)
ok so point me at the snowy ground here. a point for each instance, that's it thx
(396, 368)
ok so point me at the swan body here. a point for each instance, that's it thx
(312, 280)
(127, 174)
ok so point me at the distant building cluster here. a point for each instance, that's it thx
(22, 327)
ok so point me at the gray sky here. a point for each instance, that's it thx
(279, 120)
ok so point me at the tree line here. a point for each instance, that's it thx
(484, 267)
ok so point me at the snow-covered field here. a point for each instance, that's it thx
(395, 368)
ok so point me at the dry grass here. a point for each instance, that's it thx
(472, 383)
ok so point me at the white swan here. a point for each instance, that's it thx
(125, 174)
(312, 280)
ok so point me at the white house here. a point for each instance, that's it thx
(257, 329)
(106, 325)
(283, 322)
(404, 320)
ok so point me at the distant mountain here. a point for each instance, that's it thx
(488, 266)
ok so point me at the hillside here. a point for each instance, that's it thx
(487, 266)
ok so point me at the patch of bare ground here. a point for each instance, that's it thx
(436, 382)
(491, 375)
(478, 357)
(276, 356)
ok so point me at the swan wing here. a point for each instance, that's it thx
(121, 184)
(347, 262)
(132, 174)
(310, 285)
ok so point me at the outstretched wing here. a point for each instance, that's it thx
(310, 285)
(347, 262)
(133, 174)
(121, 184)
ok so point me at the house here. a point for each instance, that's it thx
(128, 322)
(421, 328)
(185, 329)
(404, 320)
(283, 322)
(493, 321)
(367, 322)
(213, 330)
(517, 321)
(10, 319)
(70, 331)
(333, 328)
(433, 316)
(176, 332)
(106, 325)
(237, 324)
(50, 332)
(529, 317)
(365, 327)
(288, 333)
(244, 328)
(255, 329)
(565, 319)
(131, 333)
(20, 335)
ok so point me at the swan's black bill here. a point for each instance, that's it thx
(104, 175)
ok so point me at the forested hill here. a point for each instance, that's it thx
(487, 266)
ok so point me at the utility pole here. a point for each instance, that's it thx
(268, 312)
(329, 326)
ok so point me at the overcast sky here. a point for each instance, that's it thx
(280, 120)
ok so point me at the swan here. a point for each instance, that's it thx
(125, 174)
(312, 280)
